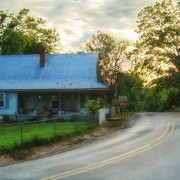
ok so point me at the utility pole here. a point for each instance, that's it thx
(116, 95)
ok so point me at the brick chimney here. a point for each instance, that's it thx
(42, 58)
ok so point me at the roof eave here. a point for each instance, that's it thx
(67, 90)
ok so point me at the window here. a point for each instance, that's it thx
(2, 100)
(55, 101)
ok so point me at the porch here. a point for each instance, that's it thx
(54, 103)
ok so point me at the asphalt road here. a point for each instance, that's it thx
(147, 149)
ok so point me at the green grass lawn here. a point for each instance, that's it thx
(11, 134)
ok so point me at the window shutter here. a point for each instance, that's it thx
(7, 100)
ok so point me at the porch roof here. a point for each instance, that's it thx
(51, 85)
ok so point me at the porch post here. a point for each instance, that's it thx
(35, 101)
(86, 97)
(78, 101)
(59, 103)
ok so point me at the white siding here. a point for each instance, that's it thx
(12, 108)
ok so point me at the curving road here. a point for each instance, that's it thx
(148, 148)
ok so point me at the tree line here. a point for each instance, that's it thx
(152, 82)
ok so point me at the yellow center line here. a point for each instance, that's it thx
(160, 136)
(167, 133)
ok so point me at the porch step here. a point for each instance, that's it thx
(115, 119)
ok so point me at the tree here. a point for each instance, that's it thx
(21, 34)
(112, 55)
(157, 52)
(130, 85)
(13, 42)
(155, 99)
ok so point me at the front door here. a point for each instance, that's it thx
(55, 103)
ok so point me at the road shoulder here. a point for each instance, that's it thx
(98, 134)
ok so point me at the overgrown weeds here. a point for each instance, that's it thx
(120, 120)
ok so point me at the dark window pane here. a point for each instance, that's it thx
(1, 103)
(1, 97)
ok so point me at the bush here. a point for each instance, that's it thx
(92, 106)
(61, 119)
(34, 119)
(114, 103)
(75, 118)
(6, 119)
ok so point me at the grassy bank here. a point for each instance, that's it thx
(176, 109)
(30, 135)
(120, 120)
(26, 136)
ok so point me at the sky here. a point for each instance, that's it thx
(77, 20)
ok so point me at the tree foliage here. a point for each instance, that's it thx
(155, 99)
(157, 52)
(130, 85)
(112, 54)
(22, 34)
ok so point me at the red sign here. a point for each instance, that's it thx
(122, 104)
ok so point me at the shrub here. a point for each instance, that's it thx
(92, 106)
(6, 119)
(114, 102)
(75, 118)
(61, 119)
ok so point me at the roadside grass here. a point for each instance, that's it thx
(18, 141)
(176, 109)
(119, 120)
(38, 134)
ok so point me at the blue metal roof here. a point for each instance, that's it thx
(61, 72)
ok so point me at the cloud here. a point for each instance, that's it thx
(77, 20)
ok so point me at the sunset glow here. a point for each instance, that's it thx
(77, 20)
